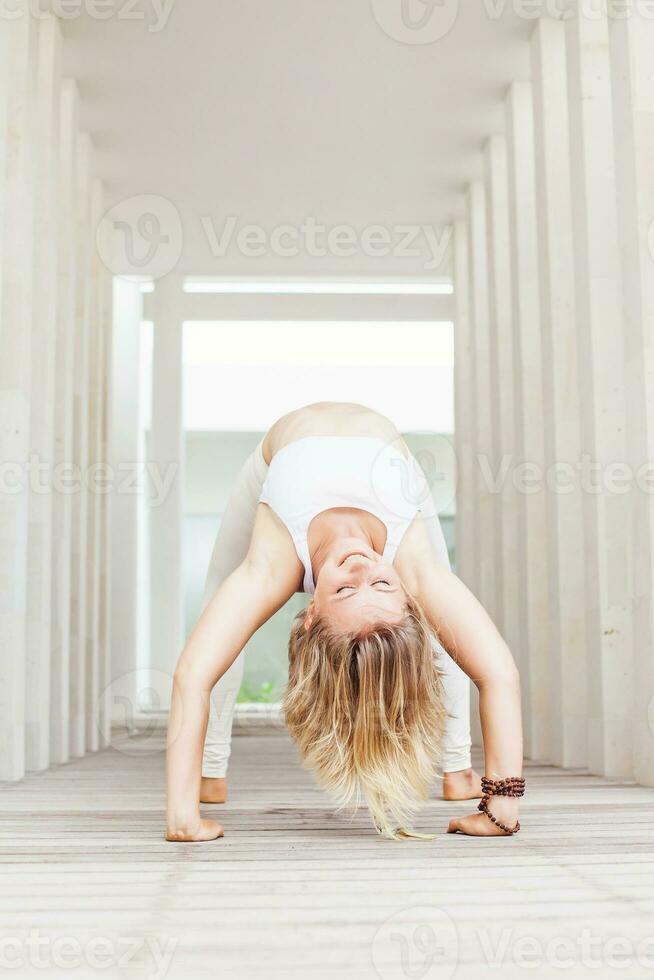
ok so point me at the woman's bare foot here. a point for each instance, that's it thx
(213, 790)
(462, 785)
(193, 830)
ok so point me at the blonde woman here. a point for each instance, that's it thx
(332, 503)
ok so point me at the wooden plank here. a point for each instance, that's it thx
(82, 854)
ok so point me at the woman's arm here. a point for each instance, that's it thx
(246, 599)
(470, 637)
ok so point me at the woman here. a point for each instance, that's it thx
(333, 504)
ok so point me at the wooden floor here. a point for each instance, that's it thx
(297, 891)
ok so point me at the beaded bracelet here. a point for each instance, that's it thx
(510, 786)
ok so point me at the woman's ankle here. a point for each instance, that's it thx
(213, 789)
(465, 784)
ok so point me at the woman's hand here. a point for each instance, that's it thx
(479, 825)
(196, 829)
(476, 825)
(244, 601)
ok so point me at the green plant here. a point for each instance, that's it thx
(266, 693)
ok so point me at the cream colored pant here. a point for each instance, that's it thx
(229, 551)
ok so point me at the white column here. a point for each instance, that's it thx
(94, 512)
(122, 531)
(532, 560)
(17, 61)
(562, 409)
(511, 594)
(105, 583)
(487, 580)
(166, 450)
(632, 43)
(464, 425)
(465, 428)
(80, 454)
(601, 385)
(44, 329)
(63, 421)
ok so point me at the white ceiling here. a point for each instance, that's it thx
(278, 111)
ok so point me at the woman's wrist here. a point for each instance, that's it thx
(504, 808)
(500, 801)
(185, 820)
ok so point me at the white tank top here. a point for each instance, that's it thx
(317, 473)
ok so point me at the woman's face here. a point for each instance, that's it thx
(355, 588)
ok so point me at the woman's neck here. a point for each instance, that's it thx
(328, 529)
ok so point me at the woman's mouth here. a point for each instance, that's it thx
(355, 554)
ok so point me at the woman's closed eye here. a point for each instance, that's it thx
(380, 581)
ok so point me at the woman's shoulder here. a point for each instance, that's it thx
(271, 545)
(415, 554)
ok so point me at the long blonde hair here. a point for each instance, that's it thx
(366, 711)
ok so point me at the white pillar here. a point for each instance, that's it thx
(94, 512)
(80, 454)
(465, 428)
(562, 409)
(17, 61)
(122, 532)
(632, 43)
(166, 450)
(464, 425)
(105, 583)
(483, 395)
(44, 329)
(63, 422)
(532, 558)
(601, 385)
(501, 338)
